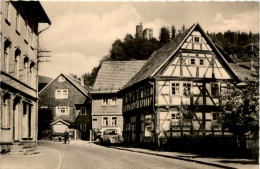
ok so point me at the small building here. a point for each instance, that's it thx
(176, 94)
(106, 103)
(69, 101)
(19, 69)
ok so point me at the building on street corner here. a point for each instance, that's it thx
(19, 70)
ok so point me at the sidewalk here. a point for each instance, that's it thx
(217, 162)
(46, 159)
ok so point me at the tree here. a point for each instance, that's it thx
(240, 111)
(173, 32)
(45, 118)
(117, 51)
(164, 35)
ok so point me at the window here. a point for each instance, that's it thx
(16, 62)
(7, 14)
(7, 47)
(83, 111)
(62, 110)
(61, 94)
(201, 61)
(94, 119)
(5, 116)
(105, 101)
(83, 127)
(214, 89)
(105, 121)
(32, 73)
(26, 32)
(113, 101)
(193, 61)
(196, 39)
(175, 116)
(25, 64)
(61, 79)
(114, 121)
(175, 88)
(17, 26)
(186, 89)
(32, 39)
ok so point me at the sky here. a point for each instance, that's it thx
(82, 32)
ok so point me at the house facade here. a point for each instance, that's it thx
(19, 49)
(106, 103)
(69, 100)
(177, 92)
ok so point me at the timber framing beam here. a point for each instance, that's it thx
(196, 51)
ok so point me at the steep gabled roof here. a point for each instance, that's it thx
(160, 57)
(113, 75)
(85, 90)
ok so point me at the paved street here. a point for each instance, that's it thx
(94, 156)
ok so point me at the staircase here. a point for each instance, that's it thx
(23, 148)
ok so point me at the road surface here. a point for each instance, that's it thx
(93, 156)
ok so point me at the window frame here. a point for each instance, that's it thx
(59, 110)
(191, 61)
(175, 88)
(196, 37)
(7, 51)
(190, 91)
(61, 94)
(113, 103)
(103, 117)
(105, 101)
(8, 12)
(6, 113)
(17, 56)
(83, 127)
(18, 23)
(211, 89)
(82, 108)
(113, 121)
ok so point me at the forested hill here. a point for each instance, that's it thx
(236, 44)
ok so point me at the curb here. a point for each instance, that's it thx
(179, 158)
(60, 159)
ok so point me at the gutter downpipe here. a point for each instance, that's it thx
(37, 84)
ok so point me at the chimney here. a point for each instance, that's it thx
(82, 81)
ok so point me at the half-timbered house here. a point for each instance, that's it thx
(177, 92)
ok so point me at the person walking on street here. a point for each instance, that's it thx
(66, 135)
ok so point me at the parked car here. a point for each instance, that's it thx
(111, 136)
